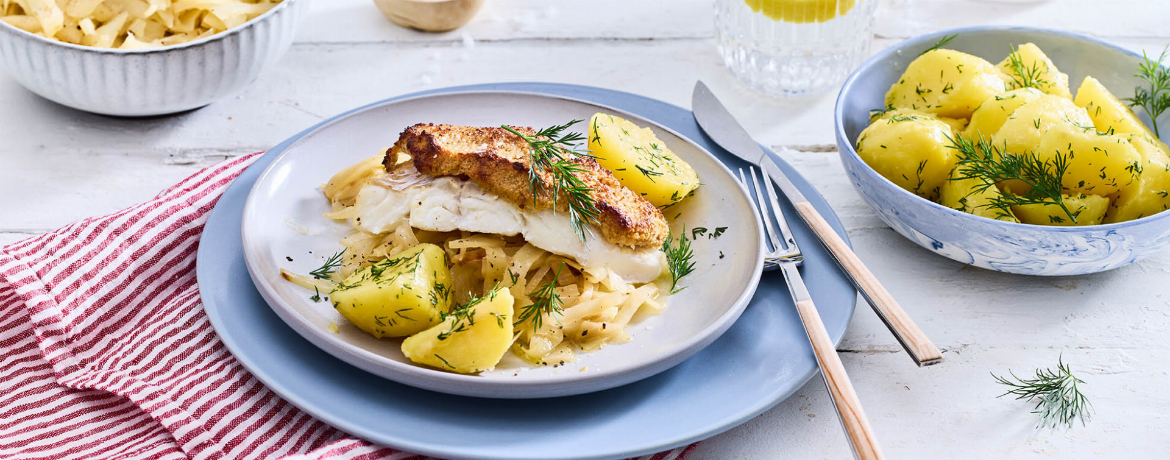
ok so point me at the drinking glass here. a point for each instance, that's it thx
(793, 48)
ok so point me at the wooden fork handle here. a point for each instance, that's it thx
(916, 343)
(857, 427)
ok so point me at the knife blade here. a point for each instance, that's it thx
(718, 123)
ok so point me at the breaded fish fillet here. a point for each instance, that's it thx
(499, 162)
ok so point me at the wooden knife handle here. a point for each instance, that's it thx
(857, 427)
(920, 348)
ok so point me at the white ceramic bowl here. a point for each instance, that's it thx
(149, 82)
(283, 227)
(979, 241)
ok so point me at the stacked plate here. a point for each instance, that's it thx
(690, 372)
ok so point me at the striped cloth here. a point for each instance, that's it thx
(106, 353)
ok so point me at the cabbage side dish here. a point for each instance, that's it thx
(472, 242)
(1009, 141)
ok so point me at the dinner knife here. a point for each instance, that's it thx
(723, 128)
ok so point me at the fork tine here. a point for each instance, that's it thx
(785, 232)
(764, 213)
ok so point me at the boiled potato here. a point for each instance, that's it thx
(910, 149)
(1032, 68)
(1097, 163)
(1150, 194)
(1022, 130)
(471, 339)
(947, 83)
(964, 195)
(1088, 209)
(640, 161)
(992, 113)
(1109, 114)
(398, 296)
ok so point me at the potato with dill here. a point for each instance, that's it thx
(640, 160)
(1087, 209)
(472, 338)
(1150, 194)
(397, 296)
(1028, 67)
(947, 83)
(910, 149)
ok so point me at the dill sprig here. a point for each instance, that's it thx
(324, 271)
(992, 165)
(680, 259)
(1023, 76)
(940, 43)
(545, 301)
(552, 151)
(1058, 397)
(1156, 99)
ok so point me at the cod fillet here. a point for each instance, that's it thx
(498, 161)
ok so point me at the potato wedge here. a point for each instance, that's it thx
(1150, 194)
(1097, 163)
(640, 161)
(910, 149)
(471, 339)
(947, 83)
(1109, 114)
(992, 113)
(399, 296)
(1028, 66)
(965, 195)
(1088, 209)
(1022, 130)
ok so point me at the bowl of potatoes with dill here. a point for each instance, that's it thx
(138, 58)
(1020, 150)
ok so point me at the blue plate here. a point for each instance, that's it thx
(760, 361)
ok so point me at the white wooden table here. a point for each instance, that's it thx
(58, 165)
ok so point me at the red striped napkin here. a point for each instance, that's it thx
(107, 353)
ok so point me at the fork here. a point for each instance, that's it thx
(785, 255)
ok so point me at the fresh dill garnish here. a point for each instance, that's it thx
(316, 295)
(545, 301)
(698, 231)
(1058, 397)
(464, 314)
(680, 259)
(1156, 99)
(1023, 76)
(940, 43)
(718, 231)
(877, 113)
(649, 173)
(552, 152)
(992, 165)
(901, 118)
(329, 267)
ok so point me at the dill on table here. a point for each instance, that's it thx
(324, 271)
(1023, 76)
(940, 43)
(545, 301)
(1057, 392)
(1156, 99)
(992, 165)
(553, 151)
(680, 259)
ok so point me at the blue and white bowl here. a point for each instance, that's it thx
(987, 243)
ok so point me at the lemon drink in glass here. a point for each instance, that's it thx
(792, 48)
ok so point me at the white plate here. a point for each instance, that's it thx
(282, 220)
